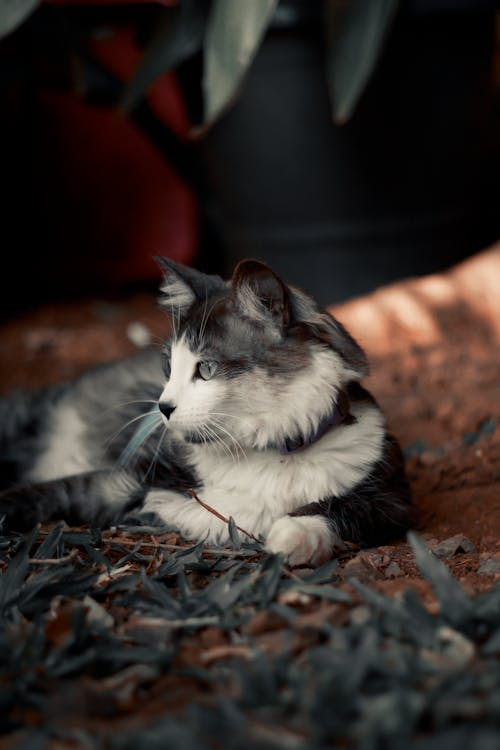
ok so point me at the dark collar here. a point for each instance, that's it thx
(339, 414)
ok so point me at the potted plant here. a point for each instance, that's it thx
(346, 143)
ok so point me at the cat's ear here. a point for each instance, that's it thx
(321, 325)
(182, 286)
(260, 294)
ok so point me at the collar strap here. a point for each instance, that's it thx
(339, 415)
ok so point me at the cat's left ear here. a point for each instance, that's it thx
(182, 285)
(319, 324)
(260, 294)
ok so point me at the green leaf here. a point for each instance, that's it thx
(234, 32)
(179, 36)
(355, 31)
(455, 605)
(233, 534)
(13, 13)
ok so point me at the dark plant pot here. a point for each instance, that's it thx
(404, 188)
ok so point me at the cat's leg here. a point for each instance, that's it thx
(315, 532)
(181, 511)
(99, 498)
(376, 511)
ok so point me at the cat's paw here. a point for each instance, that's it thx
(303, 540)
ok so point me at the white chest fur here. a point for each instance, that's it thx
(263, 486)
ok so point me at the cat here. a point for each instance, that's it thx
(254, 403)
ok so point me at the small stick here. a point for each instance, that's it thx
(160, 545)
(53, 560)
(193, 494)
(219, 515)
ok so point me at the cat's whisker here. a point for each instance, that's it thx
(218, 439)
(214, 438)
(121, 404)
(210, 437)
(113, 437)
(133, 447)
(178, 321)
(218, 425)
(232, 416)
(231, 437)
(154, 462)
(175, 319)
(203, 327)
(158, 340)
(203, 318)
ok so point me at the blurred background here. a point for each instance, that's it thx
(346, 143)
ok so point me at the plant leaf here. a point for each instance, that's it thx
(13, 13)
(233, 534)
(179, 36)
(12, 580)
(355, 32)
(456, 606)
(49, 545)
(234, 32)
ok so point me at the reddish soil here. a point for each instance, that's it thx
(434, 345)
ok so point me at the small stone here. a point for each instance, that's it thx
(371, 557)
(360, 615)
(455, 646)
(490, 566)
(96, 614)
(355, 567)
(393, 570)
(364, 566)
(454, 545)
(294, 598)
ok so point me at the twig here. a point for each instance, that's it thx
(160, 622)
(219, 515)
(193, 494)
(160, 545)
(53, 560)
(225, 651)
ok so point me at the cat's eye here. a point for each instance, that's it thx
(206, 370)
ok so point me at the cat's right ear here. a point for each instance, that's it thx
(182, 286)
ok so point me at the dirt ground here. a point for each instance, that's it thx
(434, 346)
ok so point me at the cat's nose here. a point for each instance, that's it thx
(166, 408)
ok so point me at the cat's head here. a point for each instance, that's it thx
(251, 361)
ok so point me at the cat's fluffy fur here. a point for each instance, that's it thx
(278, 365)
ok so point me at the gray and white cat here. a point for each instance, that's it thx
(253, 402)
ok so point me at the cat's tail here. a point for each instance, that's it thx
(22, 415)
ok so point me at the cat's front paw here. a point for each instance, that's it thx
(303, 540)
